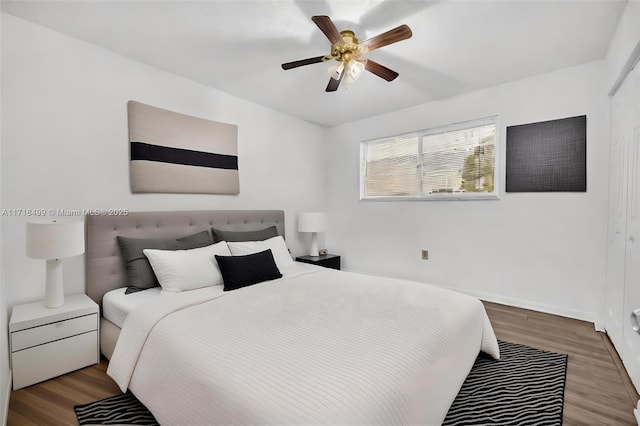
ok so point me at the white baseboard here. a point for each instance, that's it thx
(540, 307)
(5, 411)
(592, 317)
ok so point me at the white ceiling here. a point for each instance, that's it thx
(238, 46)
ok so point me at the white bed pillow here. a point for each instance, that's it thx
(181, 270)
(276, 244)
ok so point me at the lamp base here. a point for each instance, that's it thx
(54, 290)
(313, 251)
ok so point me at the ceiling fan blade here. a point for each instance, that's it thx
(333, 84)
(328, 28)
(302, 62)
(395, 35)
(380, 70)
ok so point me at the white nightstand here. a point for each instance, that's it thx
(49, 342)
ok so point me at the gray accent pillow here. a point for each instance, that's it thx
(257, 235)
(140, 275)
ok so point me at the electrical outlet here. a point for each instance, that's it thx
(425, 254)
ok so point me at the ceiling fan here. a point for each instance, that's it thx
(349, 52)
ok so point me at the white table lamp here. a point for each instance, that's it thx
(53, 239)
(313, 222)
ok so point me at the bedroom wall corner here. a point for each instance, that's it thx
(537, 250)
(65, 144)
(624, 46)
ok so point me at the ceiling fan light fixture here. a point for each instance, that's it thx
(355, 69)
(335, 71)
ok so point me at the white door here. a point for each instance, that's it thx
(623, 257)
(632, 263)
(617, 228)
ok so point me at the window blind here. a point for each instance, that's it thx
(459, 161)
(456, 159)
(392, 166)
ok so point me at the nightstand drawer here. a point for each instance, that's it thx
(48, 333)
(69, 354)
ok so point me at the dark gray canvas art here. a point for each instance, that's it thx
(549, 156)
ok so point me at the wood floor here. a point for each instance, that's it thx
(598, 390)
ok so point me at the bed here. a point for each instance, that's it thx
(315, 346)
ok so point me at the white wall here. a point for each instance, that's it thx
(65, 144)
(5, 382)
(538, 250)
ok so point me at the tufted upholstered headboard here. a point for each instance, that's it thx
(104, 267)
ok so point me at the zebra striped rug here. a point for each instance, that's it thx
(524, 387)
(122, 409)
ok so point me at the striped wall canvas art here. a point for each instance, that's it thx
(176, 153)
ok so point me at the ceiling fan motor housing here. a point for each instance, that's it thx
(347, 49)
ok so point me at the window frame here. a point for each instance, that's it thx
(420, 196)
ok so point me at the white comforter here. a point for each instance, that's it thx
(320, 347)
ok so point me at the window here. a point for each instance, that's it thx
(449, 162)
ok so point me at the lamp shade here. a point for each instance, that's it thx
(312, 222)
(55, 239)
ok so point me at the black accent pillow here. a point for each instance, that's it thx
(245, 270)
(140, 275)
(257, 235)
